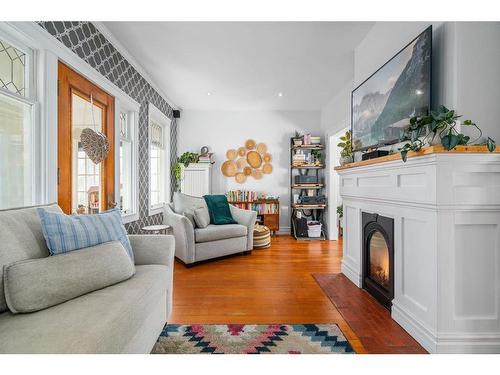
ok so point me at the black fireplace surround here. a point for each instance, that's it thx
(378, 257)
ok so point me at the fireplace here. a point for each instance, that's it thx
(378, 257)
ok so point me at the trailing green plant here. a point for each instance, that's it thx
(317, 155)
(441, 123)
(185, 159)
(346, 144)
(340, 212)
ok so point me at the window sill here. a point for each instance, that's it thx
(128, 218)
(155, 210)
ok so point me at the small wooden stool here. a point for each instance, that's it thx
(261, 237)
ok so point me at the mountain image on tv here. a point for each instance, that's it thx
(384, 103)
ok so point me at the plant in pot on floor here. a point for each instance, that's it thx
(346, 154)
(185, 159)
(442, 123)
(340, 215)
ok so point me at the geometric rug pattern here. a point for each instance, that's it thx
(252, 339)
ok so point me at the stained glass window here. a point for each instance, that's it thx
(12, 69)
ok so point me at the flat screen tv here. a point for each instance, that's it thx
(383, 104)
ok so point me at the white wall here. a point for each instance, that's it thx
(466, 57)
(222, 130)
(478, 78)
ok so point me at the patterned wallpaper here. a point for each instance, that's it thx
(87, 42)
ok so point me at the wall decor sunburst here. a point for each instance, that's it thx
(253, 160)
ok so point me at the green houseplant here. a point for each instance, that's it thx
(185, 159)
(340, 215)
(346, 154)
(297, 139)
(442, 123)
(317, 155)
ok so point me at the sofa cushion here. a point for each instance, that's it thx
(219, 232)
(21, 238)
(201, 217)
(65, 233)
(36, 284)
(190, 215)
(183, 202)
(104, 321)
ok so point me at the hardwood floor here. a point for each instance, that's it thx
(371, 322)
(272, 285)
(276, 285)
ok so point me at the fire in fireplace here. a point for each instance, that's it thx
(378, 257)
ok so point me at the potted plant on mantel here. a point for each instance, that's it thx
(346, 154)
(441, 123)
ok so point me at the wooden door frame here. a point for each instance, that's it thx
(70, 81)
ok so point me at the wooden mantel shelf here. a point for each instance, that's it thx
(438, 149)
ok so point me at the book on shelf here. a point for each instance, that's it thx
(241, 196)
(205, 159)
(251, 200)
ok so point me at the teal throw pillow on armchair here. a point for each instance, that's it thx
(220, 213)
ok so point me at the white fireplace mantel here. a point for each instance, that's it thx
(446, 211)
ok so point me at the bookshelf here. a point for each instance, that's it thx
(267, 209)
(308, 205)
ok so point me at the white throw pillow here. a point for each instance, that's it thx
(201, 217)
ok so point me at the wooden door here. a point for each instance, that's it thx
(81, 183)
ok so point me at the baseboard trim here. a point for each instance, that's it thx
(351, 273)
(284, 230)
(473, 344)
(416, 329)
(446, 343)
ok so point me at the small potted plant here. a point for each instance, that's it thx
(298, 139)
(340, 215)
(316, 154)
(346, 154)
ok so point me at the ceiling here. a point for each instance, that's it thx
(244, 65)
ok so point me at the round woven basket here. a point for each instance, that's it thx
(261, 237)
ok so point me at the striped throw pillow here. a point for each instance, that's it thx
(64, 233)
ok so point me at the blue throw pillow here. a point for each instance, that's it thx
(64, 233)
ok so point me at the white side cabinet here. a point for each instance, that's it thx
(196, 179)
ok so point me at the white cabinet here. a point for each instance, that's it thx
(196, 179)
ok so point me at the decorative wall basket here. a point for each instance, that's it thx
(95, 145)
(252, 160)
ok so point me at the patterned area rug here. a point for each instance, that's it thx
(252, 339)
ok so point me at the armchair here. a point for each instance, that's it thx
(194, 245)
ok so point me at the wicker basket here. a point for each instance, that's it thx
(261, 237)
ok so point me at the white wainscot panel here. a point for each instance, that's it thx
(418, 257)
(476, 272)
(479, 186)
(351, 262)
(412, 183)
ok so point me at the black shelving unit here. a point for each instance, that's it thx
(309, 211)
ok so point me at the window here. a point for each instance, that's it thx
(159, 160)
(16, 125)
(128, 166)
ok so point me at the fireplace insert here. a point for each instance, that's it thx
(378, 257)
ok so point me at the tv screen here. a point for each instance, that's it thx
(383, 104)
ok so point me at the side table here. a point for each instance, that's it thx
(156, 229)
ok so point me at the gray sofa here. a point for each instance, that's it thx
(194, 245)
(126, 317)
